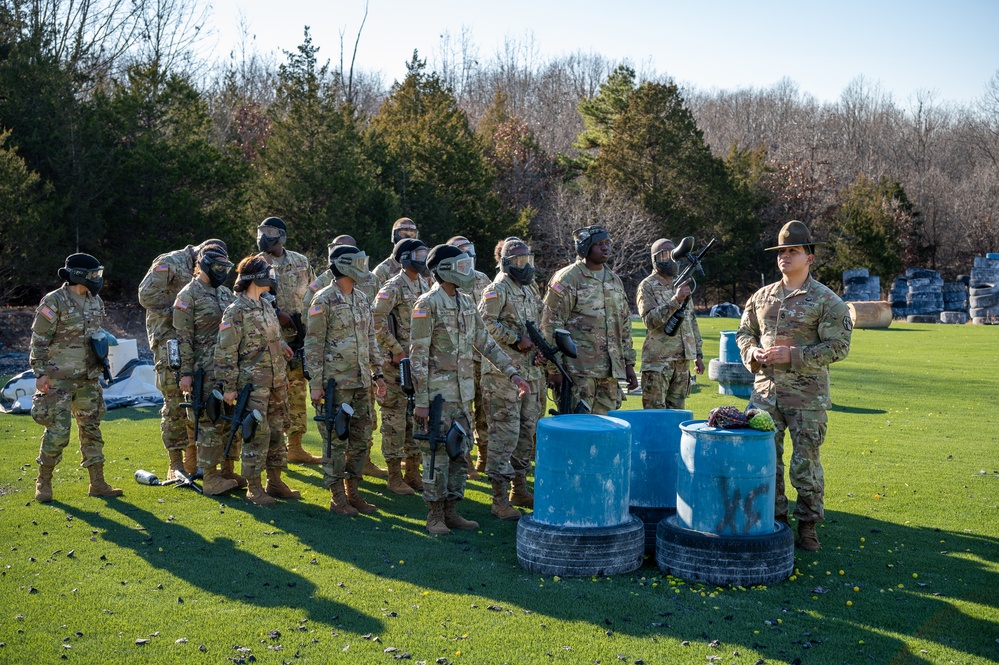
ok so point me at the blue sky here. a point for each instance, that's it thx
(951, 48)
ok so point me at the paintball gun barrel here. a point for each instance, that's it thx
(243, 418)
(337, 420)
(691, 267)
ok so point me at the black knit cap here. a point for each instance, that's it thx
(406, 245)
(78, 261)
(276, 222)
(441, 252)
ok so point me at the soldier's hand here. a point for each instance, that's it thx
(629, 372)
(525, 344)
(317, 395)
(229, 397)
(683, 291)
(522, 387)
(287, 351)
(186, 384)
(420, 414)
(397, 358)
(380, 388)
(42, 384)
(699, 366)
(555, 379)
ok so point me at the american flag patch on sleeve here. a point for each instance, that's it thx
(383, 295)
(317, 309)
(419, 313)
(313, 286)
(47, 312)
(489, 295)
(557, 286)
(225, 325)
(161, 268)
(180, 304)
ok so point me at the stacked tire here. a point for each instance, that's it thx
(897, 294)
(859, 286)
(955, 301)
(984, 291)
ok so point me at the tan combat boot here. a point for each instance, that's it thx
(455, 521)
(176, 469)
(229, 472)
(435, 519)
(472, 473)
(255, 493)
(298, 454)
(412, 476)
(355, 499)
(215, 483)
(338, 500)
(97, 485)
(808, 540)
(43, 484)
(191, 460)
(501, 504)
(396, 484)
(480, 462)
(276, 487)
(520, 495)
(373, 470)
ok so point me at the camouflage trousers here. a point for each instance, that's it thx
(449, 476)
(298, 396)
(212, 438)
(512, 423)
(347, 457)
(808, 431)
(267, 449)
(67, 399)
(176, 428)
(668, 388)
(397, 424)
(481, 410)
(602, 395)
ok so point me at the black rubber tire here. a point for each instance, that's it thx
(725, 560)
(651, 517)
(980, 312)
(983, 290)
(861, 273)
(923, 318)
(953, 317)
(580, 552)
(990, 300)
(729, 372)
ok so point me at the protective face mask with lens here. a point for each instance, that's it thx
(268, 237)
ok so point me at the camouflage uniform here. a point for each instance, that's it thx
(397, 296)
(197, 313)
(386, 270)
(816, 324)
(665, 359)
(445, 332)
(481, 421)
(593, 306)
(60, 350)
(169, 273)
(294, 275)
(249, 350)
(505, 307)
(341, 345)
(368, 286)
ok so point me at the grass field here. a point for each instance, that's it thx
(908, 572)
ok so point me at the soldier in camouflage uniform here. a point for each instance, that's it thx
(250, 350)
(790, 332)
(396, 298)
(589, 300)
(197, 313)
(368, 285)
(341, 345)
(506, 305)
(66, 369)
(168, 274)
(293, 275)
(403, 227)
(666, 359)
(446, 328)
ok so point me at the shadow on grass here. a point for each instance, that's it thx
(136, 414)
(856, 409)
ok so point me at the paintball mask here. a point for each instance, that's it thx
(415, 259)
(264, 278)
(217, 266)
(83, 269)
(588, 236)
(520, 267)
(458, 270)
(271, 232)
(353, 264)
(404, 228)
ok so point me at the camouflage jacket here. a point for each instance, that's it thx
(341, 339)
(386, 270)
(397, 297)
(60, 335)
(249, 348)
(197, 312)
(505, 307)
(593, 307)
(445, 330)
(158, 290)
(294, 273)
(368, 286)
(815, 323)
(656, 303)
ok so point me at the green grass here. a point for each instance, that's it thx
(912, 490)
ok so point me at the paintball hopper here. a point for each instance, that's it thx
(454, 442)
(406, 376)
(213, 408)
(681, 250)
(564, 343)
(173, 354)
(249, 425)
(342, 424)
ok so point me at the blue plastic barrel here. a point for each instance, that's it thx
(655, 446)
(582, 471)
(725, 480)
(728, 350)
(992, 255)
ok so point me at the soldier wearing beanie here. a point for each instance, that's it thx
(791, 331)
(403, 228)
(446, 328)
(68, 348)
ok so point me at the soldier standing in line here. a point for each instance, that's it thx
(446, 329)
(791, 331)
(197, 312)
(368, 285)
(293, 276)
(666, 359)
(66, 365)
(403, 227)
(506, 306)
(158, 291)
(481, 428)
(250, 350)
(341, 345)
(396, 298)
(588, 298)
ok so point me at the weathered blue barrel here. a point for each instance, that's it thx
(655, 445)
(582, 471)
(992, 255)
(728, 350)
(725, 480)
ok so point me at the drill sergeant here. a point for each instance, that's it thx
(341, 345)
(293, 276)
(403, 227)
(446, 329)
(66, 369)
(158, 291)
(397, 297)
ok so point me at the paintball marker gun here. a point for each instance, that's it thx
(406, 380)
(565, 345)
(242, 418)
(453, 441)
(337, 420)
(298, 344)
(197, 405)
(99, 345)
(691, 267)
(149, 478)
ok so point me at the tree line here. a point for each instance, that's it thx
(116, 141)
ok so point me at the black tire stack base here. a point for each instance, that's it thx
(651, 517)
(580, 551)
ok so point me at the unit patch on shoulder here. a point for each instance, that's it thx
(161, 268)
(419, 313)
(489, 295)
(180, 304)
(47, 312)
(316, 309)
(225, 325)
(557, 287)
